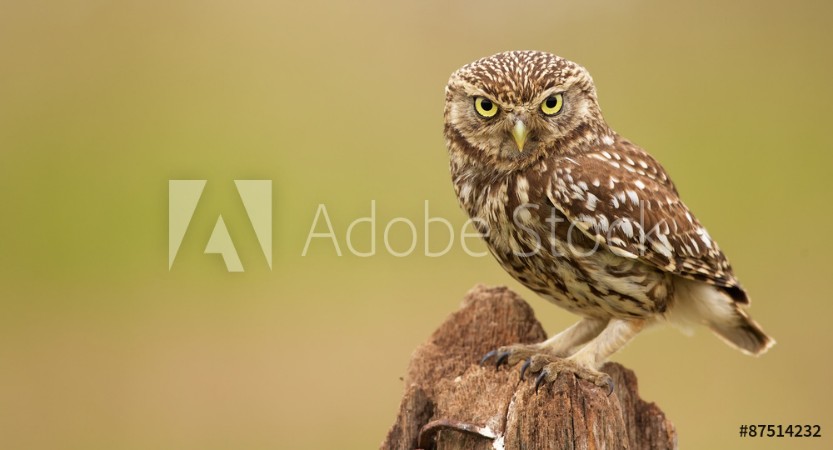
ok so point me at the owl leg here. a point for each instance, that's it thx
(560, 345)
(565, 342)
(585, 362)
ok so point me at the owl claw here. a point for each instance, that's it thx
(502, 358)
(540, 380)
(549, 368)
(546, 366)
(487, 356)
(525, 366)
(610, 386)
(510, 355)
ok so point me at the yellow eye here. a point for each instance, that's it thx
(552, 105)
(485, 107)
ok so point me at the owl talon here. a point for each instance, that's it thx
(511, 354)
(502, 358)
(525, 366)
(540, 380)
(487, 356)
(548, 370)
(610, 386)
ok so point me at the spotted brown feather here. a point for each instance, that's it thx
(621, 197)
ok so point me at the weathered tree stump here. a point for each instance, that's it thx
(451, 402)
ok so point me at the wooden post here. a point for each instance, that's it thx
(451, 402)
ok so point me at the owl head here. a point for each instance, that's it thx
(512, 108)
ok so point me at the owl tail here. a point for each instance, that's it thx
(698, 302)
(743, 333)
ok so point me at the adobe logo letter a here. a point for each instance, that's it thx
(183, 197)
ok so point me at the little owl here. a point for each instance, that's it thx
(581, 216)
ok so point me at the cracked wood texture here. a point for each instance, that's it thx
(451, 402)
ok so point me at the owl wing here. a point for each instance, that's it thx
(621, 198)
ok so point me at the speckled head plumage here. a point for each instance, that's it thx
(580, 215)
(518, 83)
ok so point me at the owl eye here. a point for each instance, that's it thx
(552, 105)
(485, 107)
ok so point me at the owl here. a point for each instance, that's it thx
(581, 216)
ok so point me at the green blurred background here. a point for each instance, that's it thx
(101, 103)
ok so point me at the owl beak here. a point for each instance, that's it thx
(519, 133)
